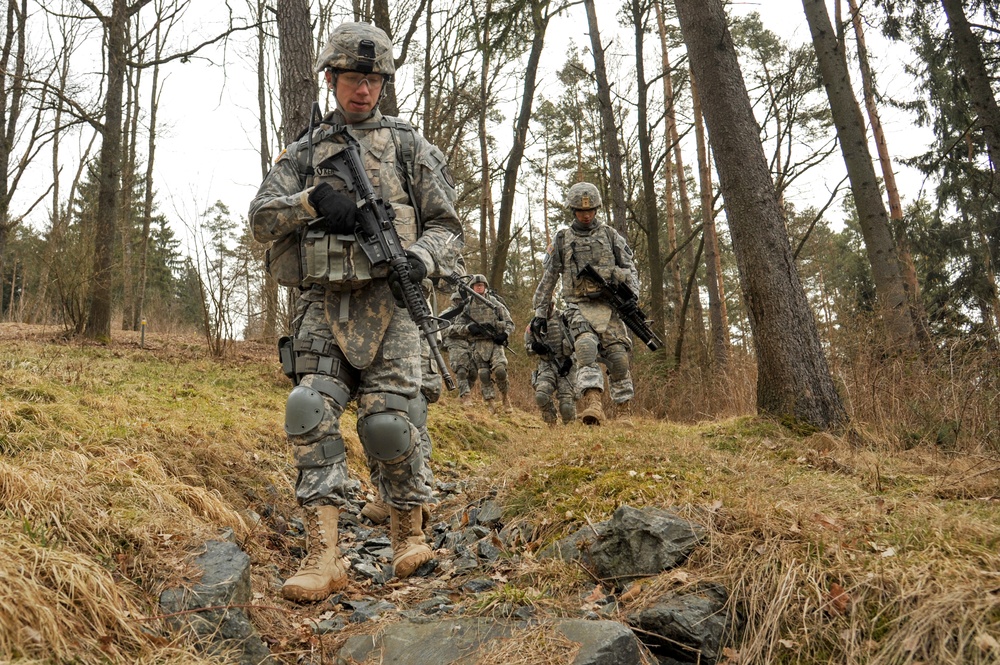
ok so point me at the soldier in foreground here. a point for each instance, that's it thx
(555, 374)
(596, 326)
(352, 339)
(487, 326)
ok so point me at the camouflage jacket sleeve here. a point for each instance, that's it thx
(433, 193)
(626, 263)
(281, 204)
(552, 268)
(508, 321)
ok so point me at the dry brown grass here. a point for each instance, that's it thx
(116, 462)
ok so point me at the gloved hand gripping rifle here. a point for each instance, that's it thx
(378, 238)
(624, 301)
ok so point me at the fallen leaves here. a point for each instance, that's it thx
(837, 600)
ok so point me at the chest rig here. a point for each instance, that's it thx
(596, 248)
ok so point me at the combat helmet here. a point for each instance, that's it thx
(583, 196)
(479, 278)
(358, 47)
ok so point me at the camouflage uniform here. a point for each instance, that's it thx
(487, 355)
(351, 339)
(556, 372)
(595, 327)
(460, 354)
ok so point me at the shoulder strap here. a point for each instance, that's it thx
(404, 136)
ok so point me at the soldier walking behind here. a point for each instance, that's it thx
(556, 373)
(351, 337)
(487, 328)
(595, 326)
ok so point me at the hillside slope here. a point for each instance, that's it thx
(117, 462)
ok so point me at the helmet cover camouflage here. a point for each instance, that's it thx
(479, 279)
(358, 47)
(583, 196)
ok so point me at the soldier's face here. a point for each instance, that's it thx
(585, 216)
(479, 288)
(356, 93)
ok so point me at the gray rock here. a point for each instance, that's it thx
(490, 513)
(643, 542)
(224, 583)
(696, 620)
(576, 546)
(458, 642)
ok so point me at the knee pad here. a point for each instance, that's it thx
(500, 374)
(417, 410)
(305, 407)
(384, 429)
(568, 411)
(617, 359)
(484, 374)
(542, 399)
(586, 349)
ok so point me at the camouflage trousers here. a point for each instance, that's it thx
(395, 370)
(547, 382)
(460, 360)
(492, 363)
(431, 387)
(612, 346)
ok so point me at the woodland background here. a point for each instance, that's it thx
(891, 319)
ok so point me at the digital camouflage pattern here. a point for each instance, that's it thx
(358, 312)
(488, 357)
(583, 196)
(342, 50)
(549, 379)
(594, 325)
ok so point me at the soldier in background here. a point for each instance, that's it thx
(487, 329)
(556, 373)
(595, 325)
(459, 352)
(351, 338)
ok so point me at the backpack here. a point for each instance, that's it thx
(288, 258)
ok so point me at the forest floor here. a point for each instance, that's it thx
(118, 461)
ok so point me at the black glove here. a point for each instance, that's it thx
(418, 271)
(500, 339)
(338, 211)
(539, 348)
(539, 326)
(476, 329)
(566, 366)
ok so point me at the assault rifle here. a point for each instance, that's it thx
(624, 301)
(567, 364)
(379, 240)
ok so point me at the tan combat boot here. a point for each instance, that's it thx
(590, 410)
(378, 512)
(507, 407)
(409, 550)
(323, 571)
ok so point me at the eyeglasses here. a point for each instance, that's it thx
(353, 80)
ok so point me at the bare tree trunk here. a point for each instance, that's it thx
(793, 379)
(651, 220)
(889, 178)
(11, 95)
(98, 325)
(713, 263)
(540, 22)
(879, 243)
(668, 191)
(610, 133)
(269, 288)
(147, 203)
(486, 211)
(977, 77)
(130, 312)
(297, 88)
